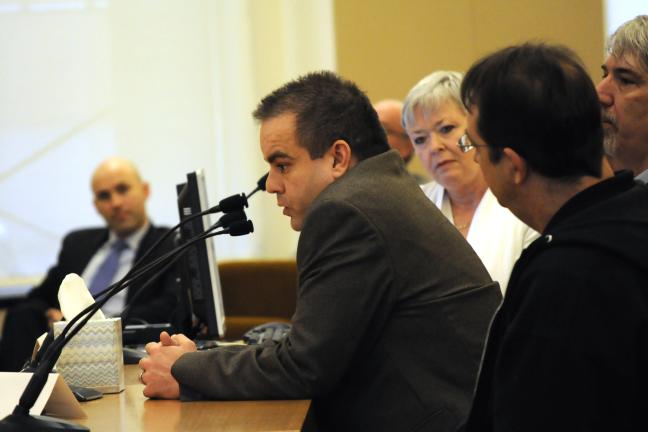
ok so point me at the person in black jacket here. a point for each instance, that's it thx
(568, 349)
(119, 197)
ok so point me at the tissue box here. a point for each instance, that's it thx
(94, 356)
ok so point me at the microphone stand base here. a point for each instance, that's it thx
(17, 422)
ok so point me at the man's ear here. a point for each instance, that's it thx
(518, 170)
(146, 189)
(341, 158)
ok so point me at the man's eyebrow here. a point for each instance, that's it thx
(630, 70)
(625, 70)
(278, 154)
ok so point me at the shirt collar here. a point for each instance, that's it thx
(133, 240)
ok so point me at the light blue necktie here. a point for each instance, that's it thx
(106, 271)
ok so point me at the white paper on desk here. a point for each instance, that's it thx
(38, 345)
(56, 397)
(62, 402)
(73, 296)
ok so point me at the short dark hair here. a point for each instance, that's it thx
(328, 108)
(538, 100)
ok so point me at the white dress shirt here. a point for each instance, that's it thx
(116, 304)
(496, 235)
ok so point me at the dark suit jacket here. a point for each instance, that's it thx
(156, 304)
(392, 310)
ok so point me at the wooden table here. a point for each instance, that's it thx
(131, 411)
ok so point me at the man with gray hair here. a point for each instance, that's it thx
(623, 93)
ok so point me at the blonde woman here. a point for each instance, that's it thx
(435, 121)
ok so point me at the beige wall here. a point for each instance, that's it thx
(386, 46)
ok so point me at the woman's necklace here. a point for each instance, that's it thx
(462, 226)
(461, 214)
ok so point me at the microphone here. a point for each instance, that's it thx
(229, 218)
(230, 204)
(261, 185)
(240, 228)
(19, 419)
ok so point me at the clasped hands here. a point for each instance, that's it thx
(156, 368)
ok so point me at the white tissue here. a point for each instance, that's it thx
(73, 296)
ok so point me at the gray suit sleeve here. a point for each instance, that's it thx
(343, 300)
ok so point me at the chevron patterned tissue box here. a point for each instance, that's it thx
(94, 356)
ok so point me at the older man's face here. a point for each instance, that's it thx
(623, 93)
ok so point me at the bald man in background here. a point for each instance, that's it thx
(390, 114)
(120, 198)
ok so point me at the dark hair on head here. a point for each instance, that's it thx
(328, 108)
(538, 100)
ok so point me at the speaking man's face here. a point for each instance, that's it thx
(294, 177)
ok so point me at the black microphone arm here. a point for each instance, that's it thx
(135, 272)
(228, 218)
(20, 418)
(225, 221)
(236, 229)
(231, 204)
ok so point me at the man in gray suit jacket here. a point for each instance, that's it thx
(392, 305)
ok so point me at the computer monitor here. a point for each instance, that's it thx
(199, 279)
